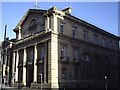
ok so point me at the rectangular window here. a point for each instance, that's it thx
(111, 44)
(85, 36)
(75, 54)
(61, 28)
(103, 42)
(31, 56)
(63, 73)
(74, 31)
(96, 38)
(42, 53)
(63, 53)
(115, 46)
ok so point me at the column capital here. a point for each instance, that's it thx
(36, 44)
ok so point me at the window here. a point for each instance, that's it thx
(116, 46)
(86, 57)
(33, 26)
(111, 44)
(74, 31)
(31, 55)
(75, 54)
(103, 42)
(63, 73)
(75, 73)
(63, 53)
(96, 38)
(21, 56)
(42, 53)
(61, 28)
(85, 36)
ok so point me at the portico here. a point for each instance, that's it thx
(29, 62)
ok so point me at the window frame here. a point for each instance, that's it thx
(63, 52)
(61, 30)
(74, 32)
(85, 36)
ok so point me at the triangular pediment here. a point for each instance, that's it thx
(27, 14)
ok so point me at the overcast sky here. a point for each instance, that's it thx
(101, 14)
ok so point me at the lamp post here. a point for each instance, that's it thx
(105, 82)
(41, 80)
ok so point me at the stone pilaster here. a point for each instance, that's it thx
(54, 55)
(24, 68)
(13, 68)
(19, 33)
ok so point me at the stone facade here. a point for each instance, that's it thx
(61, 51)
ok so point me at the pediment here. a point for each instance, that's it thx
(26, 15)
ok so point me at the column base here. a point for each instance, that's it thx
(38, 86)
(15, 84)
(54, 85)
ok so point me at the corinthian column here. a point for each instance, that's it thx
(35, 66)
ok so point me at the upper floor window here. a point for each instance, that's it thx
(30, 54)
(42, 53)
(111, 44)
(74, 31)
(115, 46)
(103, 42)
(96, 38)
(85, 36)
(75, 54)
(21, 56)
(63, 53)
(61, 28)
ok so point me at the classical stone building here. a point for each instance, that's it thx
(55, 48)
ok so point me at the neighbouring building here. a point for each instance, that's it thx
(1, 50)
(59, 50)
(5, 59)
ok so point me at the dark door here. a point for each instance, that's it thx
(29, 78)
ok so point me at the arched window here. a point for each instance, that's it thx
(33, 26)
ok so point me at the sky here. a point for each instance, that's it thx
(101, 14)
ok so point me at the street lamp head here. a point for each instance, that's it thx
(105, 77)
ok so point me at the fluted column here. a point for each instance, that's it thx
(16, 72)
(24, 68)
(35, 66)
(13, 67)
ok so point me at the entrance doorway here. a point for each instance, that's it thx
(29, 75)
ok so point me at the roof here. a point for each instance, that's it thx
(67, 15)
(92, 26)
